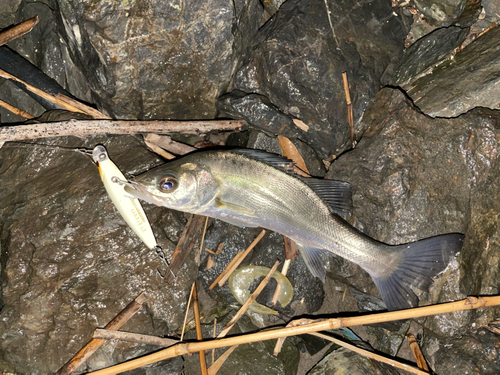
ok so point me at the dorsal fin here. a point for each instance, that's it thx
(336, 194)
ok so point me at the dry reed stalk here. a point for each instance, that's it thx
(88, 127)
(212, 370)
(165, 142)
(18, 30)
(159, 150)
(213, 336)
(98, 115)
(133, 337)
(41, 93)
(187, 311)
(198, 257)
(16, 111)
(224, 271)
(249, 301)
(321, 325)
(350, 117)
(417, 353)
(372, 355)
(199, 336)
(94, 344)
(241, 258)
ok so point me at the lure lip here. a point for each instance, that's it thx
(137, 190)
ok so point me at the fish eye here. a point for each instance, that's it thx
(168, 183)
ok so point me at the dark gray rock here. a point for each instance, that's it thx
(469, 80)
(416, 177)
(297, 66)
(448, 12)
(428, 51)
(344, 361)
(70, 263)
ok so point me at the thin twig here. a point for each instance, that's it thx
(199, 336)
(316, 326)
(249, 301)
(98, 115)
(417, 353)
(18, 30)
(372, 355)
(187, 311)
(94, 344)
(16, 111)
(350, 117)
(88, 127)
(241, 258)
(133, 337)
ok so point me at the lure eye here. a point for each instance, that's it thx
(168, 183)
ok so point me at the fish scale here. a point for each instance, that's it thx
(257, 189)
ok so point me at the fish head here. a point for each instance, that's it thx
(180, 185)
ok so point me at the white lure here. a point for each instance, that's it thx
(129, 207)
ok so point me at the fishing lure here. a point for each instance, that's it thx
(129, 207)
(240, 281)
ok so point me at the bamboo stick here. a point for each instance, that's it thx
(249, 301)
(18, 30)
(417, 353)
(372, 355)
(41, 93)
(133, 337)
(94, 344)
(87, 127)
(199, 336)
(350, 117)
(16, 111)
(320, 325)
(241, 258)
(98, 115)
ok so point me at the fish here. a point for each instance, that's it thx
(252, 188)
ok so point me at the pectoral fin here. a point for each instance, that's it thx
(314, 261)
(236, 215)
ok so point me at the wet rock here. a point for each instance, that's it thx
(344, 361)
(468, 80)
(414, 177)
(448, 12)
(70, 263)
(428, 51)
(303, 47)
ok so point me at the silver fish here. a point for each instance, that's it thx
(252, 188)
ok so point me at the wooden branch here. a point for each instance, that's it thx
(83, 107)
(199, 336)
(316, 326)
(350, 117)
(138, 338)
(366, 353)
(249, 301)
(241, 258)
(18, 30)
(417, 353)
(190, 235)
(94, 344)
(16, 111)
(41, 93)
(88, 127)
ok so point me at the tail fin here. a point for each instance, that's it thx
(418, 263)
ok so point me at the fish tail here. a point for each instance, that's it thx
(415, 265)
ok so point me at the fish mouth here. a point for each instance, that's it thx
(139, 191)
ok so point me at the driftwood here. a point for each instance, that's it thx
(138, 338)
(94, 344)
(87, 127)
(417, 353)
(18, 30)
(315, 326)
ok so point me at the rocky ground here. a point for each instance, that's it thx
(424, 81)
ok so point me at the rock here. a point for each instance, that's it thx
(469, 80)
(344, 361)
(70, 263)
(448, 12)
(427, 52)
(415, 177)
(297, 66)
